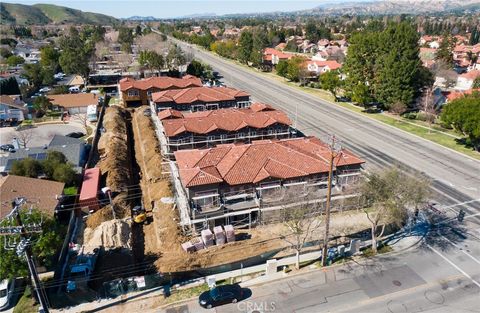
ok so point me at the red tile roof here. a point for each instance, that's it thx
(333, 65)
(204, 94)
(160, 83)
(459, 94)
(279, 54)
(204, 122)
(252, 163)
(472, 75)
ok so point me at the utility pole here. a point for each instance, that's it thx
(334, 152)
(24, 247)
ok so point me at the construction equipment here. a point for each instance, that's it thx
(139, 215)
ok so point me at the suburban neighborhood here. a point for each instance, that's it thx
(264, 157)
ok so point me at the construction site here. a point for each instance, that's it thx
(138, 226)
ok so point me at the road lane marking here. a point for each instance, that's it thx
(454, 265)
(461, 249)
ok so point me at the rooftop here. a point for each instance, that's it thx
(252, 163)
(160, 83)
(42, 192)
(232, 119)
(72, 100)
(203, 94)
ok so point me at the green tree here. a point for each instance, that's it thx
(5, 53)
(245, 48)
(65, 173)
(49, 58)
(260, 42)
(75, 54)
(359, 64)
(282, 68)
(9, 86)
(27, 167)
(295, 68)
(175, 58)
(331, 81)
(41, 105)
(463, 115)
(195, 68)
(388, 196)
(361, 95)
(445, 50)
(398, 67)
(45, 245)
(125, 39)
(53, 159)
(15, 60)
(34, 74)
(151, 60)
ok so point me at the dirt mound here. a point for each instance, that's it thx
(113, 149)
(110, 234)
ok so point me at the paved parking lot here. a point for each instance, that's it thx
(41, 134)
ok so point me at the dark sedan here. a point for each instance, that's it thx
(220, 295)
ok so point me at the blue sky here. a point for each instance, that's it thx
(167, 9)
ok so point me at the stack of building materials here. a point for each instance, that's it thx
(197, 243)
(230, 233)
(207, 237)
(188, 246)
(219, 235)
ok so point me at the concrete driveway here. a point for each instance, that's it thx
(42, 134)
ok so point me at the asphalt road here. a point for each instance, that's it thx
(455, 177)
(441, 274)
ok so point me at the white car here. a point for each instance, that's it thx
(45, 89)
(6, 291)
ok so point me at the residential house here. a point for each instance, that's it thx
(206, 129)
(138, 92)
(330, 53)
(12, 109)
(307, 47)
(72, 81)
(45, 194)
(238, 184)
(317, 68)
(231, 33)
(200, 99)
(322, 44)
(74, 103)
(465, 81)
(273, 57)
(75, 150)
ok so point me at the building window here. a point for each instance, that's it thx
(133, 93)
(253, 133)
(240, 135)
(149, 93)
(271, 131)
(223, 136)
(210, 138)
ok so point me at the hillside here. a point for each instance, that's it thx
(48, 13)
(395, 7)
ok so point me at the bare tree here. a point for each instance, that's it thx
(388, 195)
(428, 107)
(152, 42)
(24, 136)
(83, 120)
(300, 223)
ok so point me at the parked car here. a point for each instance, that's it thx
(75, 135)
(7, 147)
(220, 295)
(74, 89)
(59, 76)
(45, 89)
(6, 291)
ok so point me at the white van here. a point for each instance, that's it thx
(74, 89)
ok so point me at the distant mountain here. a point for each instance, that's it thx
(199, 15)
(394, 7)
(140, 18)
(40, 14)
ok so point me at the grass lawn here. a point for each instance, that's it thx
(26, 304)
(68, 191)
(437, 134)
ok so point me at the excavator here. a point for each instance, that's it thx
(139, 215)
